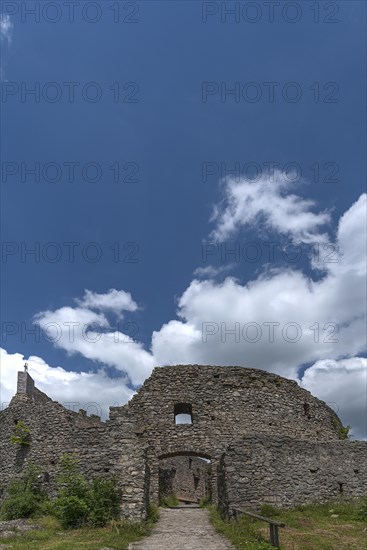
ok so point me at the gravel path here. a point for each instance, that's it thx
(183, 529)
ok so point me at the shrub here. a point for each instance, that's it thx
(72, 510)
(70, 482)
(344, 432)
(25, 495)
(103, 502)
(21, 434)
(20, 506)
(80, 502)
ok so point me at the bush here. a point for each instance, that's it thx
(21, 434)
(47, 508)
(103, 502)
(72, 510)
(20, 506)
(25, 495)
(80, 502)
(344, 432)
(70, 482)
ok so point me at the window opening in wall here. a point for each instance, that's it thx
(190, 463)
(183, 413)
(196, 482)
(306, 410)
(340, 487)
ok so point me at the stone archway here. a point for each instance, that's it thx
(157, 459)
(188, 476)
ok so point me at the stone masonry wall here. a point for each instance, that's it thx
(261, 432)
(226, 402)
(55, 431)
(186, 477)
(286, 472)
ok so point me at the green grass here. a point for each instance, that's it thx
(170, 501)
(243, 533)
(51, 536)
(308, 527)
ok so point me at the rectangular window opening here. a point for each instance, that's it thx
(183, 413)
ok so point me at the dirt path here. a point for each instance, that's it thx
(183, 529)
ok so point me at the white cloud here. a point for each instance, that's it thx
(342, 384)
(6, 35)
(81, 330)
(211, 272)
(271, 202)
(93, 391)
(6, 28)
(330, 312)
(114, 300)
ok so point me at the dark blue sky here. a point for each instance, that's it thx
(166, 135)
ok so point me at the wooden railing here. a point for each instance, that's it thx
(273, 525)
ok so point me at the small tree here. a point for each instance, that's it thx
(344, 432)
(21, 434)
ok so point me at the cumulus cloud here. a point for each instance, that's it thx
(115, 301)
(74, 390)
(279, 321)
(6, 28)
(80, 330)
(342, 384)
(271, 201)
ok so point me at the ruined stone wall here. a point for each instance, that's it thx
(285, 472)
(55, 431)
(226, 402)
(186, 477)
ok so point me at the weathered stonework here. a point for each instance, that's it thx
(238, 415)
(186, 477)
(286, 472)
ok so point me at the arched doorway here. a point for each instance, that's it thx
(187, 475)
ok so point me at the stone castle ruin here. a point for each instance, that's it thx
(236, 436)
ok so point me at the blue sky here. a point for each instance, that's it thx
(167, 129)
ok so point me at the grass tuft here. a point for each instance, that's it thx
(169, 501)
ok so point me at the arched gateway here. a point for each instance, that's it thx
(268, 440)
